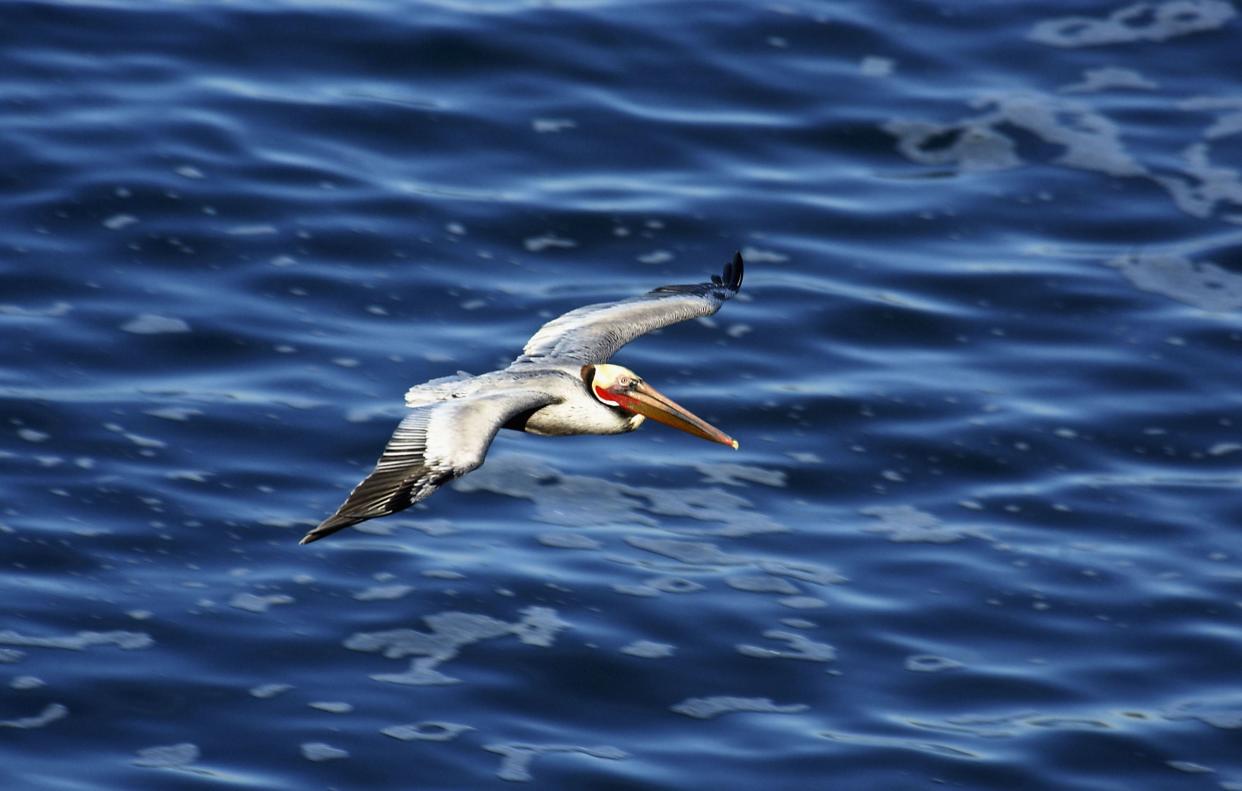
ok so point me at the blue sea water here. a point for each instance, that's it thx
(983, 528)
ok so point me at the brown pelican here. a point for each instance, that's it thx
(561, 385)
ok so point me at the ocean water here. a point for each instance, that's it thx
(983, 528)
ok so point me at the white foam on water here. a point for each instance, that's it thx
(265, 691)
(144, 442)
(51, 713)
(537, 244)
(635, 590)
(800, 647)
(907, 524)
(27, 682)
(55, 310)
(1201, 284)
(574, 500)
(319, 752)
(552, 125)
(1190, 767)
(194, 476)
(128, 641)
(566, 540)
(706, 505)
(1137, 22)
(803, 570)
(1224, 448)
(1091, 141)
(180, 414)
(648, 649)
(802, 602)
(1224, 712)
(975, 147)
(332, 706)
(516, 758)
(702, 555)
(118, 221)
(798, 623)
(656, 257)
(384, 592)
(1202, 186)
(759, 255)
(446, 635)
(1110, 78)
(253, 602)
(875, 66)
(740, 475)
(152, 324)
(1229, 108)
(169, 756)
(388, 527)
(252, 230)
(762, 583)
(707, 708)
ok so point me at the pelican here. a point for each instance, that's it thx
(561, 385)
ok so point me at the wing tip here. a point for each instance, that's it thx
(733, 273)
(329, 526)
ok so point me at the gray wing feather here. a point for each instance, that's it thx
(594, 333)
(432, 445)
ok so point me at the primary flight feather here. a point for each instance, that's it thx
(561, 385)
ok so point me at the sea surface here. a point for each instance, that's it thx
(984, 530)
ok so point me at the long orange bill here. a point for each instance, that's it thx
(646, 400)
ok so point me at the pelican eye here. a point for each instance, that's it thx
(624, 381)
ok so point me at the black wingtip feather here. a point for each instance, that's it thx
(331, 525)
(733, 273)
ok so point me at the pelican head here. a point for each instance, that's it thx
(620, 388)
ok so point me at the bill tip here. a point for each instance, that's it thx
(734, 443)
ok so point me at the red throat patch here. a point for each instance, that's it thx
(610, 398)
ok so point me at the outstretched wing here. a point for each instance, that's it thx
(593, 333)
(432, 445)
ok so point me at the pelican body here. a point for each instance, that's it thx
(561, 385)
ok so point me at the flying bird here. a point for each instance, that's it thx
(561, 385)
